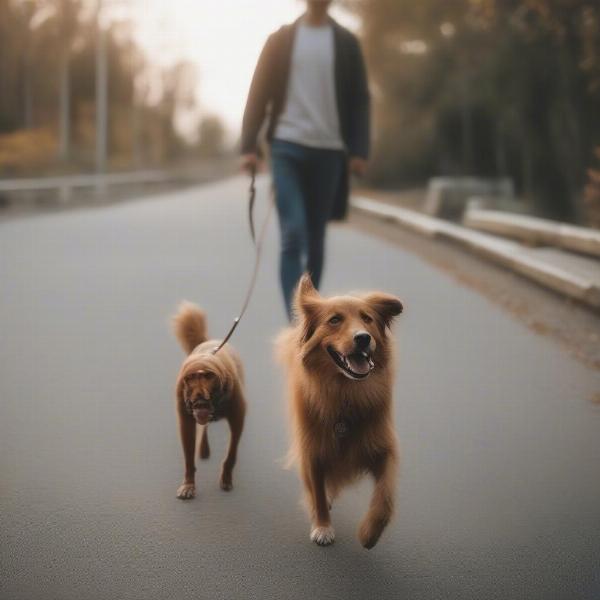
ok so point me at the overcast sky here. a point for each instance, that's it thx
(223, 38)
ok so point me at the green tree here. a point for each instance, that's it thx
(48, 94)
(211, 137)
(486, 87)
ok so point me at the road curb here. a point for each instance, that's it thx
(504, 252)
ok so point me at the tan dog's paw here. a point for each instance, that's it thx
(186, 491)
(323, 535)
(370, 532)
(226, 484)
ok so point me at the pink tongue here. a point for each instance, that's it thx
(358, 363)
(202, 415)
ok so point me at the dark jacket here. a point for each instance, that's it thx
(267, 96)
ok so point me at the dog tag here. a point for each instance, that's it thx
(340, 429)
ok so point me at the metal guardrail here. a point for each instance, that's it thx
(64, 184)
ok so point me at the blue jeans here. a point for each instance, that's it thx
(306, 181)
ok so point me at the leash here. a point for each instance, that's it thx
(251, 200)
(258, 245)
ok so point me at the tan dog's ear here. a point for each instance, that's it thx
(306, 304)
(306, 298)
(385, 305)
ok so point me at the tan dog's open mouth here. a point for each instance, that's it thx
(357, 365)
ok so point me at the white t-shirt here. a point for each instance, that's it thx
(310, 116)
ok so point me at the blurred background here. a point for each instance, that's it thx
(487, 87)
(484, 88)
(477, 211)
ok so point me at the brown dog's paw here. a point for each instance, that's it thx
(370, 532)
(186, 491)
(323, 535)
(226, 483)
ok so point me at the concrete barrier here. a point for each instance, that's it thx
(507, 253)
(447, 197)
(534, 231)
(64, 185)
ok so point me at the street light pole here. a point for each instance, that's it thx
(65, 103)
(28, 9)
(101, 99)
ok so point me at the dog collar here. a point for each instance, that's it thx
(341, 428)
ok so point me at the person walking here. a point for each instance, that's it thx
(310, 86)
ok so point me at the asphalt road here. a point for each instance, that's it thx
(499, 495)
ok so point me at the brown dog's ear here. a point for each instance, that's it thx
(180, 389)
(385, 305)
(306, 304)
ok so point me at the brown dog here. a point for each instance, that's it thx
(340, 361)
(209, 387)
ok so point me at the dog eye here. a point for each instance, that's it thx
(335, 320)
(366, 318)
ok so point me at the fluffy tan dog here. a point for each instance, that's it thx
(340, 358)
(209, 387)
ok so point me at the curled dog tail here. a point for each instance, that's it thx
(189, 326)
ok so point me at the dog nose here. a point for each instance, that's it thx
(362, 340)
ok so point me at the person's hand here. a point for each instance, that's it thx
(358, 166)
(250, 162)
